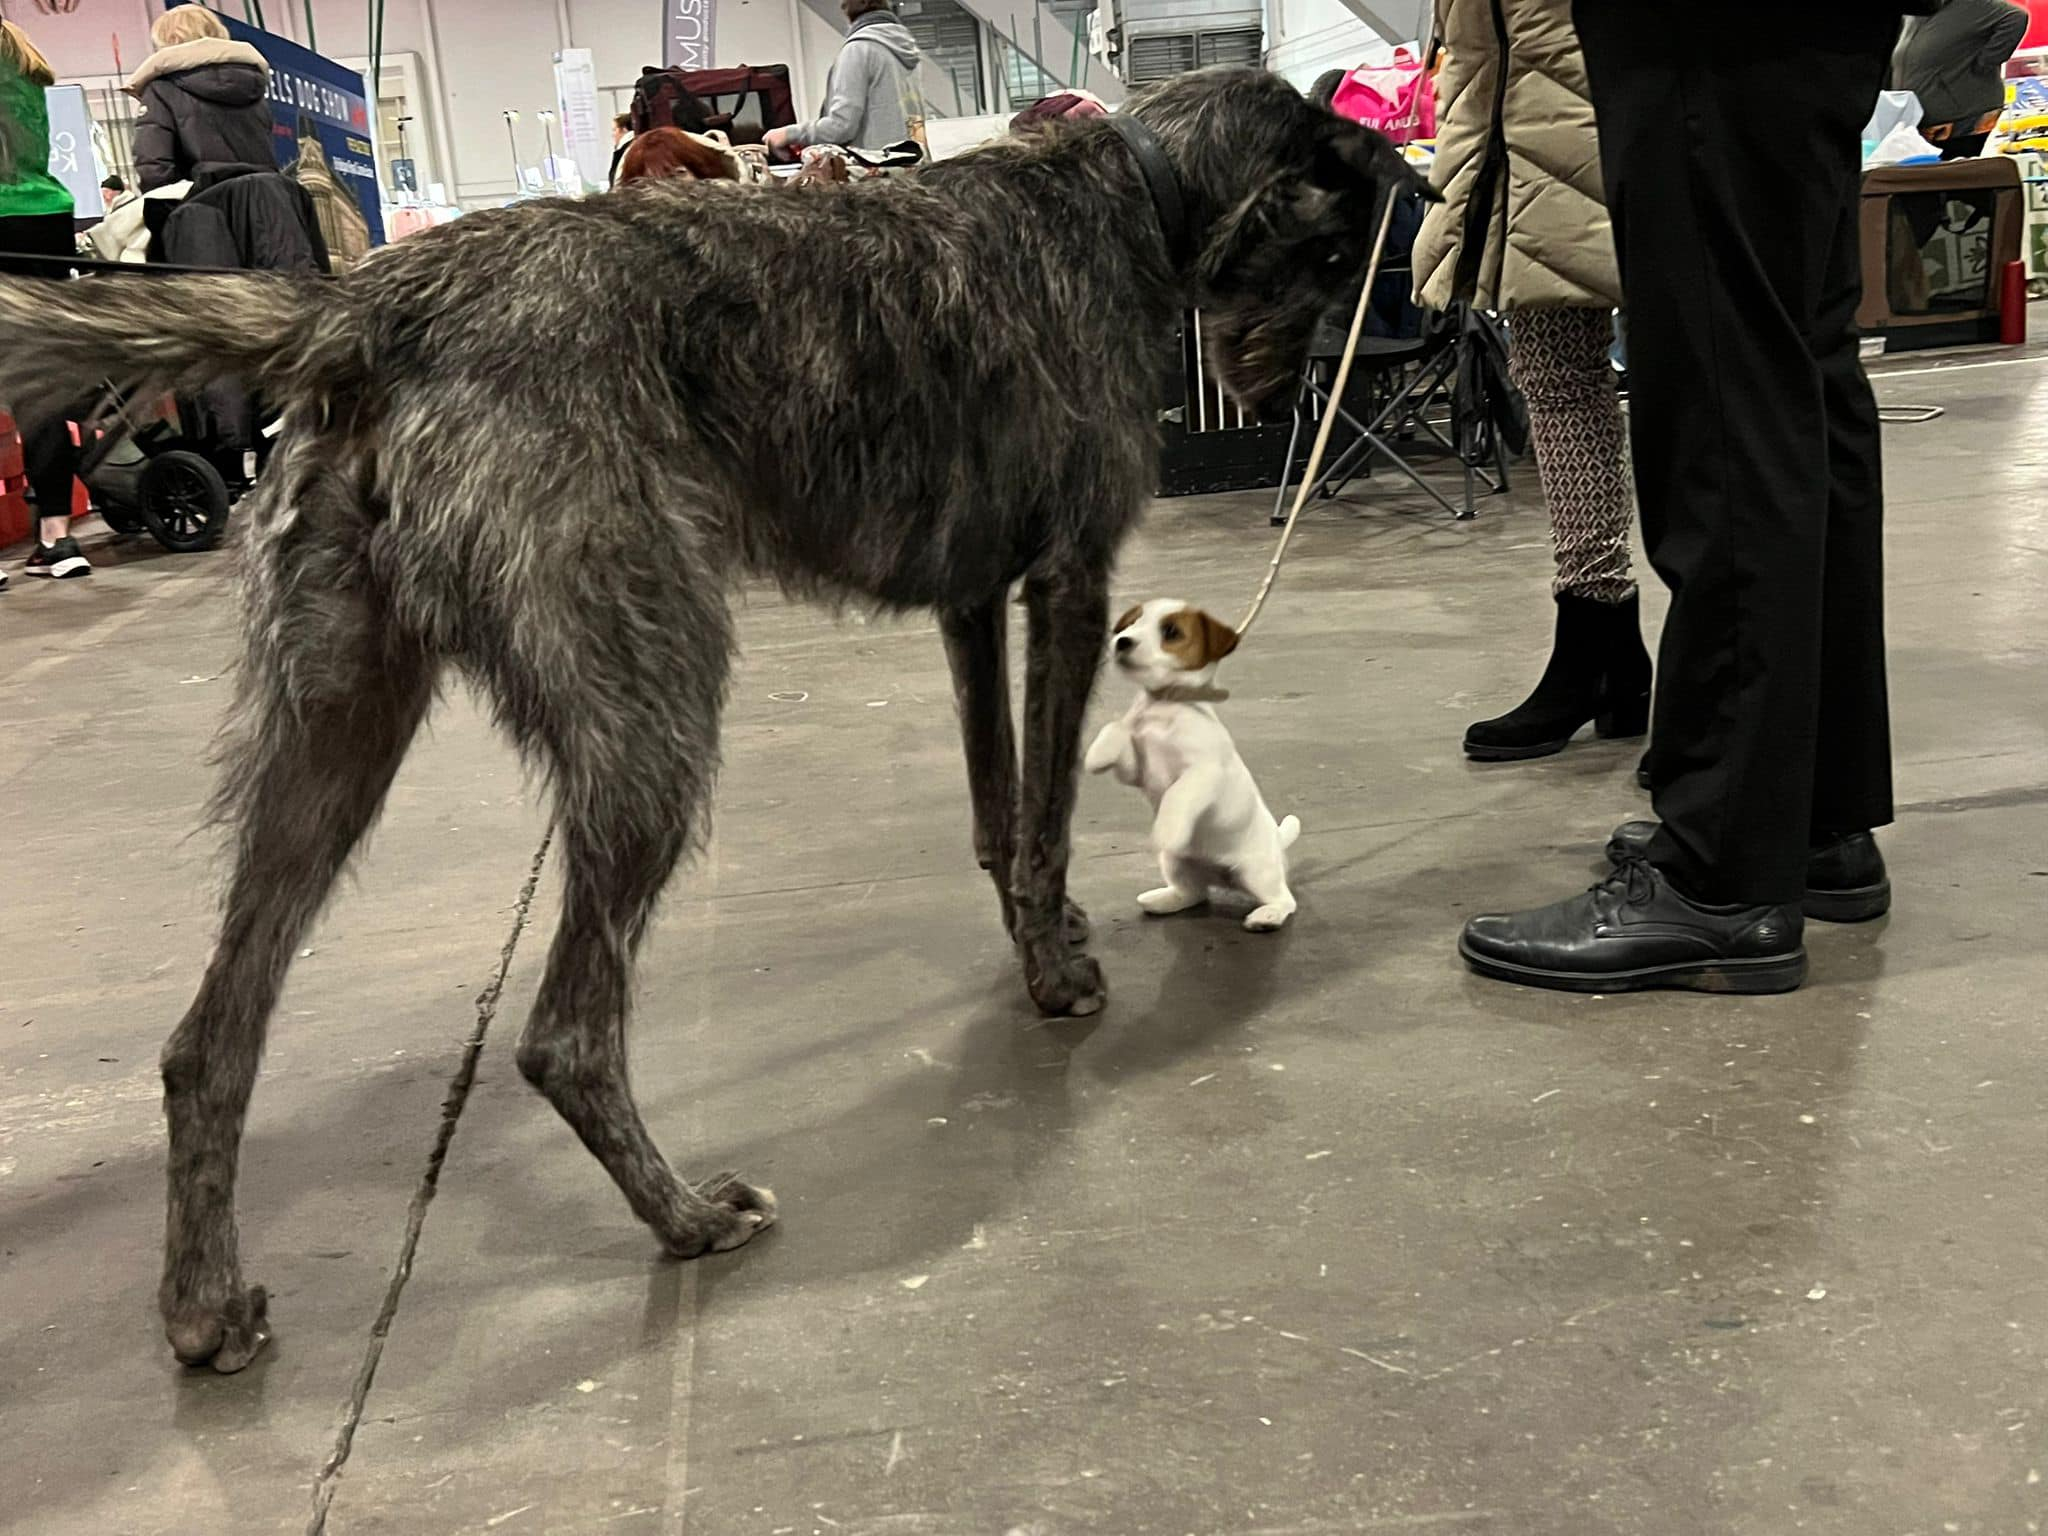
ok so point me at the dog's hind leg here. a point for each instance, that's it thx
(329, 699)
(1069, 623)
(977, 646)
(1186, 886)
(1264, 879)
(632, 751)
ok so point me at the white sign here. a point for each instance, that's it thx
(585, 132)
(71, 160)
(688, 27)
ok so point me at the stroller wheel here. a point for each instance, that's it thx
(184, 501)
(120, 519)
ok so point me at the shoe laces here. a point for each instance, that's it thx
(1631, 882)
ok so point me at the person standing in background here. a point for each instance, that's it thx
(1733, 175)
(205, 101)
(1523, 228)
(35, 220)
(1954, 61)
(622, 140)
(871, 94)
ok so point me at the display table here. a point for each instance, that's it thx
(1935, 240)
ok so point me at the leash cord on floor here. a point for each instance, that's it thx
(416, 1215)
(1315, 458)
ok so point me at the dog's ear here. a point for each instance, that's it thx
(1307, 218)
(1352, 159)
(1218, 638)
(1130, 617)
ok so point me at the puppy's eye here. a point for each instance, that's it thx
(1169, 631)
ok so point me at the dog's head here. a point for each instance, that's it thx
(1167, 643)
(1282, 199)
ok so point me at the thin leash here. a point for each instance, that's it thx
(1315, 458)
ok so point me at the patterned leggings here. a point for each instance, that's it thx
(1558, 357)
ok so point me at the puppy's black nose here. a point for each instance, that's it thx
(1125, 643)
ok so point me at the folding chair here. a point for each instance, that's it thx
(1403, 390)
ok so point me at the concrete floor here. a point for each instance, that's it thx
(1306, 1234)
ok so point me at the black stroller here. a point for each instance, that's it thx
(150, 475)
(176, 474)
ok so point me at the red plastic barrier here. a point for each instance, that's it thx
(15, 520)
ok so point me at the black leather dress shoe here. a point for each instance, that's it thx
(1634, 932)
(1845, 876)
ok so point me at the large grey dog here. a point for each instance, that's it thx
(538, 446)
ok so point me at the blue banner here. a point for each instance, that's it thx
(313, 97)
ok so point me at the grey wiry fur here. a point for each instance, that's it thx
(538, 445)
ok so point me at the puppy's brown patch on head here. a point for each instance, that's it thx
(1130, 617)
(1194, 639)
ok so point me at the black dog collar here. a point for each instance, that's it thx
(1160, 181)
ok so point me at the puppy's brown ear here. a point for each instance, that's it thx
(1218, 638)
(1130, 617)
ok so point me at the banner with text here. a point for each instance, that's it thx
(585, 132)
(688, 26)
(71, 158)
(312, 97)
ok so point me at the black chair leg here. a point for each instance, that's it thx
(1287, 464)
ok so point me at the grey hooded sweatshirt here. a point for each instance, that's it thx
(872, 89)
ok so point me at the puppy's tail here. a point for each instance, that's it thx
(1290, 829)
(61, 340)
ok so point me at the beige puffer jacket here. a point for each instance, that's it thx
(1546, 237)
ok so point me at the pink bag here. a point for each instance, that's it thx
(1398, 99)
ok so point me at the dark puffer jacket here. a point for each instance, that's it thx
(203, 104)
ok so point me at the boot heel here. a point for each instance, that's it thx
(1620, 719)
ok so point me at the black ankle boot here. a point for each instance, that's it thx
(1598, 671)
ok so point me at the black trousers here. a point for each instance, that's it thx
(46, 448)
(1732, 163)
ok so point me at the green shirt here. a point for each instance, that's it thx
(26, 186)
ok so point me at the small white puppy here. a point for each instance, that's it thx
(1210, 826)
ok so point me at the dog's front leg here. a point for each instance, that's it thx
(1114, 751)
(1069, 622)
(977, 646)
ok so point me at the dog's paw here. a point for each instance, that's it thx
(1168, 900)
(1077, 924)
(734, 1213)
(222, 1332)
(1268, 919)
(1066, 985)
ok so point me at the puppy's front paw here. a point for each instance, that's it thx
(1168, 900)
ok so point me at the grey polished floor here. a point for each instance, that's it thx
(1306, 1234)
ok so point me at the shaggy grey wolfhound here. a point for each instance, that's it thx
(538, 446)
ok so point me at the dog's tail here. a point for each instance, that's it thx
(1290, 829)
(61, 340)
